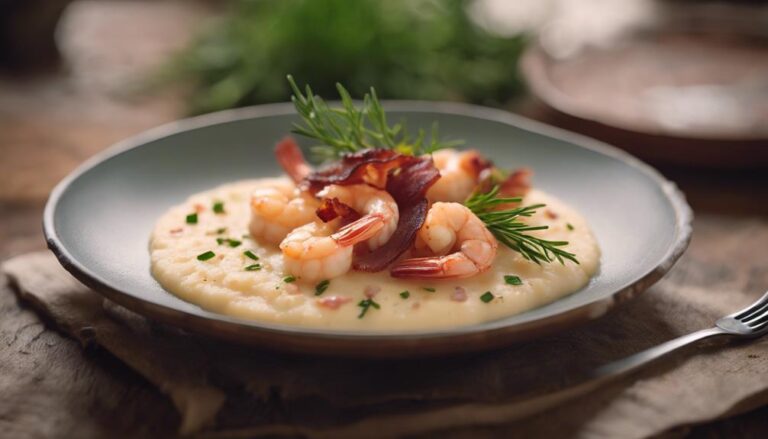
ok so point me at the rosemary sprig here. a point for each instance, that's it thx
(506, 226)
(349, 128)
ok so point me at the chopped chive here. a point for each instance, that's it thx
(321, 287)
(221, 230)
(487, 297)
(192, 218)
(253, 267)
(513, 280)
(288, 279)
(365, 305)
(430, 289)
(250, 254)
(218, 207)
(230, 242)
(405, 294)
(570, 226)
(205, 256)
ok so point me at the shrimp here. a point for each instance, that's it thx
(278, 208)
(459, 174)
(315, 251)
(368, 201)
(460, 243)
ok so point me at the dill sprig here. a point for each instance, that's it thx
(506, 226)
(349, 128)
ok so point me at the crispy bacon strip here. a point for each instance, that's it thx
(291, 159)
(370, 166)
(332, 208)
(408, 187)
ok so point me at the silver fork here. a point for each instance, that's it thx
(750, 322)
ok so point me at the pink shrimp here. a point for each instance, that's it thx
(460, 243)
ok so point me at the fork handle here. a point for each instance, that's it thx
(635, 361)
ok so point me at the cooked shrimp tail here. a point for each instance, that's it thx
(454, 266)
(292, 160)
(358, 231)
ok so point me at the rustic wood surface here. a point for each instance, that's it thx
(51, 386)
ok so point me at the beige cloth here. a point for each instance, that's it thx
(230, 391)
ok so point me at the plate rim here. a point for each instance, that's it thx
(302, 339)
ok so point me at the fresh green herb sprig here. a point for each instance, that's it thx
(348, 129)
(444, 54)
(509, 230)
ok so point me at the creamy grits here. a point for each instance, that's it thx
(198, 251)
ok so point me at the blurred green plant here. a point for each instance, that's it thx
(414, 49)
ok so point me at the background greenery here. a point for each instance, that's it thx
(410, 49)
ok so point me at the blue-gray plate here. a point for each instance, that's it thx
(99, 218)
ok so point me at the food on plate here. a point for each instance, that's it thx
(389, 232)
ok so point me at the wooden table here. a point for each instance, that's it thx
(50, 385)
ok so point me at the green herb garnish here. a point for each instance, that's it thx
(288, 279)
(251, 255)
(487, 297)
(253, 267)
(405, 294)
(512, 280)
(230, 242)
(430, 289)
(321, 287)
(218, 207)
(569, 226)
(510, 231)
(205, 256)
(349, 128)
(192, 218)
(221, 230)
(365, 305)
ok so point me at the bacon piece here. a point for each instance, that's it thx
(459, 294)
(291, 159)
(370, 166)
(478, 164)
(408, 187)
(333, 302)
(332, 208)
(517, 184)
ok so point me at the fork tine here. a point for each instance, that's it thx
(761, 326)
(748, 310)
(759, 322)
(756, 313)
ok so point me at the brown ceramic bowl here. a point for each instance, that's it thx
(691, 99)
